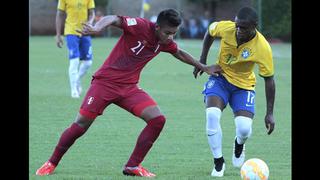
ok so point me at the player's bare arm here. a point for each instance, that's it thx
(270, 95)
(187, 58)
(100, 25)
(207, 42)
(60, 18)
(91, 15)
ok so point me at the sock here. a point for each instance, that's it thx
(243, 128)
(145, 140)
(238, 149)
(214, 131)
(218, 163)
(84, 67)
(73, 73)
(67, 138)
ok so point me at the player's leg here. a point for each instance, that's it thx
(216, 98)
(242, 103)
(142, 105)
(95, 101)
(155, 121)
(85, 59)
(74, 58)
(67, 138)
(214, 107)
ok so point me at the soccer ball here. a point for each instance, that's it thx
(254, 169)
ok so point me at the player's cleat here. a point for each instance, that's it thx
(46, 169)
(220, 173)
(238, 154)
(137, 171)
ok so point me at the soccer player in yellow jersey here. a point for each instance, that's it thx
(241, 47)
(73, 13)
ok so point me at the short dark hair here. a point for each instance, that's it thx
(249, 14)
(169, 17)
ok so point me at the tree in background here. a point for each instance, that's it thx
(101, 3)
(276, 18)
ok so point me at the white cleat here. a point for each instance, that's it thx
(216, 173)
(238, 162)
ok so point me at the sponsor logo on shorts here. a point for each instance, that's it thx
(210, 84)
(90, 100)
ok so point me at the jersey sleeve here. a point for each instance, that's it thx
(62, 5)
(171, 47)
(265, 63)
(91, 4)
(133, 25)
(214, 29)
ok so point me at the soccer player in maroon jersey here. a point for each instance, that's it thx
(116, 82)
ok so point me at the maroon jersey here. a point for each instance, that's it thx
(136, 47)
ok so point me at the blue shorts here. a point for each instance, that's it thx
(79, 47)
(239, 99)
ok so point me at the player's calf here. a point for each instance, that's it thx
(243, 132)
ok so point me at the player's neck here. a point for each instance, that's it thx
(242, 41)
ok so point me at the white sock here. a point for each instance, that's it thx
(243, 128)
(73, 73)
(83, 69)
(214, 131)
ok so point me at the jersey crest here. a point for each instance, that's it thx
(246, 52)
(131, 21)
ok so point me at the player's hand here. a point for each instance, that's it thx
(88, 29)
(213, 70)
(59, 41)
(269, 122)
(196, 71)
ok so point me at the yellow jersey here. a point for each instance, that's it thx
(238, 63)
(77, 13)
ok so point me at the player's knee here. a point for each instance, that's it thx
(85, 118)
(158, 122)
(243, 126)
(73, 64)
(84, 122)
(213, 115)
(87, 64)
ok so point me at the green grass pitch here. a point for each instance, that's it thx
(182, 151)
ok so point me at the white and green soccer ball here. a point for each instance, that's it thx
(254, 169)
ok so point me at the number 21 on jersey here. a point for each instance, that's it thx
(137, 49)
